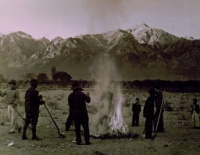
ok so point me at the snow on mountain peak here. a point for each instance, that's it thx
(138, 28)
(147, 35)
(22, 34)
(112, 34)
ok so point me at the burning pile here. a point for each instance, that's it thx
(110, 123)
(108, 99)
(109, 119)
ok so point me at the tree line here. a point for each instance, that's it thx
(63, 79)
(58, 77)
(172, 86)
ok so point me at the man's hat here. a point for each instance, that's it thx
(76, 86)
(33, 81)
(151, 91)
(12, 82)
(195, 100)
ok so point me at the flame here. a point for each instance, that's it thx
(116, 123)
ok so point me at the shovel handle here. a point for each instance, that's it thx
(51, 117)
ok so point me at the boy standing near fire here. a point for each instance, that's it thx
(136, 108)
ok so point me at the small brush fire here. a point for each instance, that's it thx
(108, 99)
(114, 125)
(118, 129)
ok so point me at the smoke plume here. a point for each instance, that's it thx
(107, 98)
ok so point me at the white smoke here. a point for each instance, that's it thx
(107, 98)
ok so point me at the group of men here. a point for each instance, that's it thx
(32, 102)
(78, 112)
(76, 100)
(155, 119)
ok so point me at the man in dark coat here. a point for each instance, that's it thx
(158, 123)
(136, 108)
(148, 113)
(77, 102)
(69, 120)
(32, 103)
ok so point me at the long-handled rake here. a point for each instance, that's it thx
(153, 138)
(60, 134)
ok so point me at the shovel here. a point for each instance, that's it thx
(60, 134)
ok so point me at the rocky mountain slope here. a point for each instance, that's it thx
(135, 48)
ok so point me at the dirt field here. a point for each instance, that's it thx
(178, 139)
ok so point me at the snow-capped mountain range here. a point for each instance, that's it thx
(137, 47)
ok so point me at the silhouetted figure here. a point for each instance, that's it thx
(77, 102)
(32, 103)
(159, 124)
(136, 108)
(69, 121)
(148, 113)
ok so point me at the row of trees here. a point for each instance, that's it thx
(61, 77)
(58, 77)
(173, 86)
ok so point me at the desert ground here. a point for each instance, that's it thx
(179, 137)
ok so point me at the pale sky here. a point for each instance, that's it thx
(69, 18)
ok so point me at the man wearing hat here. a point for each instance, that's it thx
(77, 102)
(32, 103)
(12, 100)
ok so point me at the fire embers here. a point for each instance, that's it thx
(131, 136)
